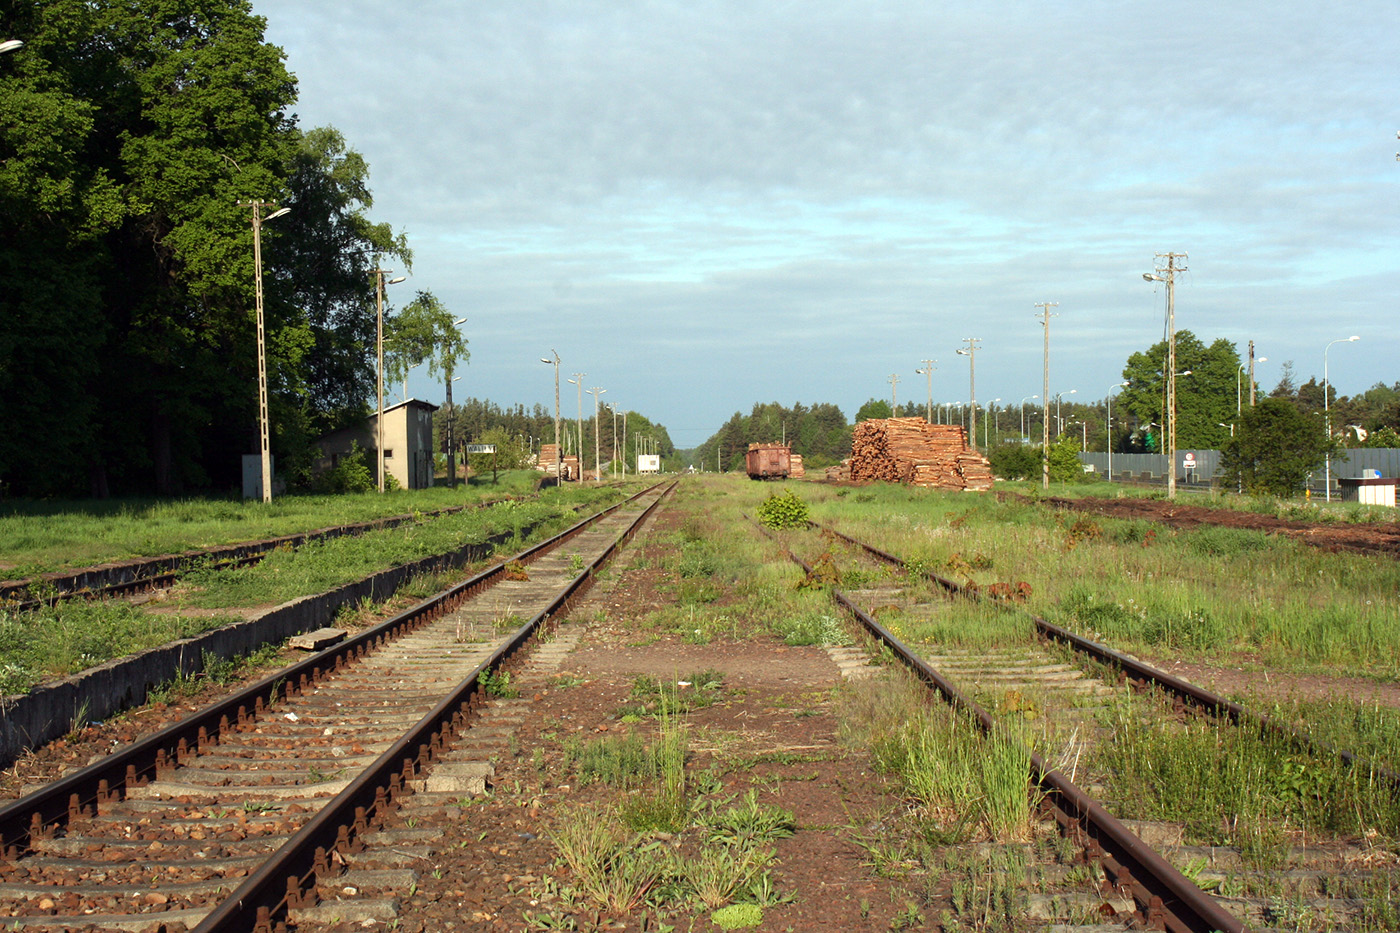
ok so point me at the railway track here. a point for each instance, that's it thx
(130, 577)
(1047, 679)
(269, 804)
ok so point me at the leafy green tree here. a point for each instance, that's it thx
(1205, 400)
(423, 332)
(129, 133)
(874, 408)
(1382, 437)
(1065, 466)
(1015, 461)
(1275, 448)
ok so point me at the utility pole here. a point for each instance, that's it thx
(971, 354)
(928, 369)
(264, 444)
(894, 394)
(1167, 274)
(1045, 316)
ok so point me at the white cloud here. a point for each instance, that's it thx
(715, 203)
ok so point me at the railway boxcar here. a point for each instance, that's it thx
(768, 461)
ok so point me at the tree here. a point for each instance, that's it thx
(874, 408)
(1275, 448)
(1205, 399)
(1015, 461)
(129, 133)
(1065, 465)
(423, 332)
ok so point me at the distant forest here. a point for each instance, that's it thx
(482, 421)
(820, 433)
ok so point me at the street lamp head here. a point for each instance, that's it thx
(396, 280)
(459, 322)
(278, 213)
(963, 353)
(1149, 277)
(543, 360)
(1352, 339)
(1184, 372)
(1262, 359)
(9, 45)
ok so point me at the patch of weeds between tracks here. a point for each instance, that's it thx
(1240, 786)
(498, 684)
(659, 698)
(664, 850)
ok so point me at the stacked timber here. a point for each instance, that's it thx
(914, 452)
(796, 470)
(547, 459)
(840, 473)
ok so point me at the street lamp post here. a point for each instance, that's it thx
(1116, 385)
(1239, 392)
(1059, 421)
(971, 353)
(1022, 406)
(379, 283)
(264, 439)
(558, 451)
(578, 381)
(597, 436)
(1327, 409)
(928, 369)
(987, 409)
(451, 417)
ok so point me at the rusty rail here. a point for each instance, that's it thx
(1166, 899)
(1143, 675)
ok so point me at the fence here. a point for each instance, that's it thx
(1152, 468)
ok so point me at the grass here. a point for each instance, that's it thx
(1217, 592)
(966, 785)
(72, 636)
(48, 535)
(1241, 786)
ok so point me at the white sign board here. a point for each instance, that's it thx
(1188, 460)
(648, 463)
(479, 448)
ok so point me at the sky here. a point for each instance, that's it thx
(706, 205)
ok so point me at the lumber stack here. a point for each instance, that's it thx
(913, 452)
(795, 468)
(546, 461)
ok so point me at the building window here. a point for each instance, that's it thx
(388, 453)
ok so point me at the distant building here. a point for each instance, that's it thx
(408, 444)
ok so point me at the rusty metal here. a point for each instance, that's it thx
(1161, 892)
(147, 759)
(1143, 675)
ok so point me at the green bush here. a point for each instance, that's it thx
(783, 511)
(351, 474)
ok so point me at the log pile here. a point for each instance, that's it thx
(546, 461)
(914, 452)
(795, 468)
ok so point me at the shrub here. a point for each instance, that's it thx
(783, 511)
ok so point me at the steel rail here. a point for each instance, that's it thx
(114, 579)
(1144, 674)
(80, 793)
(285, 881)
(1166, 898)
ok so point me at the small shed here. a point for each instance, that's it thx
(408, 443)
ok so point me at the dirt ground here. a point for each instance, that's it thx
(1375, 538)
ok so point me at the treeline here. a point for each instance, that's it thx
(135, 138)
(818, 432)
(481, 421)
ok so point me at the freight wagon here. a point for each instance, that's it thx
(768, 461)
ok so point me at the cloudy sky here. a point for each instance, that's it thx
(704, 205)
